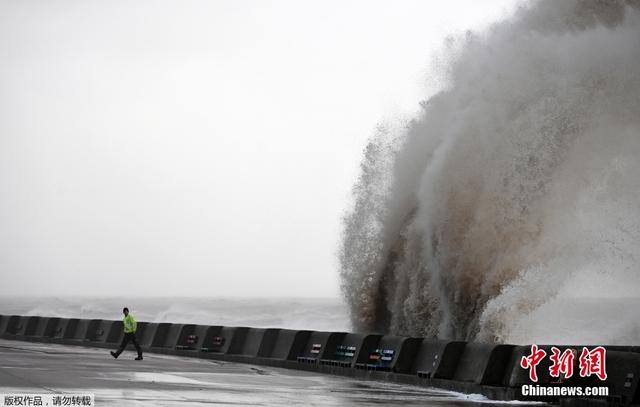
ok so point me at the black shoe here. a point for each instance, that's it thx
(139, 358)
(115, 355)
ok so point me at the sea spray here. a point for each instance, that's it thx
(515, 192)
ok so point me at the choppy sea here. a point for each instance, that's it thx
(321, 314)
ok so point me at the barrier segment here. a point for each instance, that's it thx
(81, 330)
(116, 331)
(289, 344)
(229, 340)
(482, 363)
(437, 359)
(623, 376)
(258, 342)
(58, 329)
(354, 348)
(188, 339)
(173, 334)
(319, 346)
(208, 337)
(393, 353)
(8, 324)
(71, 328)
(161, 334)
(14, 324)
(52, 328)
(41, 327)
(30, 326)
(152, 335)
(99, 330)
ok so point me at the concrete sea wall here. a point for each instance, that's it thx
(489, 369)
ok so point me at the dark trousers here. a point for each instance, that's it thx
(129, 337)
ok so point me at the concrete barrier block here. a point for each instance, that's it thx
(437, 358)
(319, 346)
(194, 337)
(15, 324)
(70, 328)
(408, 351)
(80, 332)
(237, 336)
(152, 335)
(30, 326)
(97, 330)
(354, 348)
(188, 338)
(212, 340)
(115, 331)
(269, 340)
(620, 348)
(58, 329)
(393, 353)
(250, 344)
(258, 342)
(289, 344)
(174, 331)
(145, 335)
(41, 327)
(162, 334)
(623, 376)
(483, 363)
(53, 328)
(230, 340)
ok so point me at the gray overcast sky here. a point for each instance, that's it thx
(198, 147)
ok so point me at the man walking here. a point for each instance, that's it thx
(130, 324)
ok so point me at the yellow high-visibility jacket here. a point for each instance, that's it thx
(130, 324)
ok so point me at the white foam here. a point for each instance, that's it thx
(512, 200)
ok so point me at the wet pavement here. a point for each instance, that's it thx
(161, 380)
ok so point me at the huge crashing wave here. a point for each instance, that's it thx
(515, 194)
